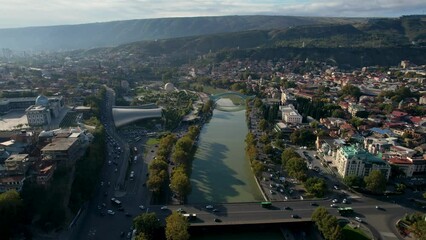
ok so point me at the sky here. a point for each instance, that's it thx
(24, 13)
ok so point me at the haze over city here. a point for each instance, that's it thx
(25, 13)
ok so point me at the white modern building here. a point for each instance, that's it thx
(290, 114)
(41, 113)
(38, 116)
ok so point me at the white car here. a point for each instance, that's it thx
(209, 207)
(141, 207)
(164, 208)
(110, 212)
(335, 200)
(358, 219)
(333, 205)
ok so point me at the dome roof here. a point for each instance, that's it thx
(41, 101)
(169, 87)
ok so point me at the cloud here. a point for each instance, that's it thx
(19, 13)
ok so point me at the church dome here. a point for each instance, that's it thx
(42, 101)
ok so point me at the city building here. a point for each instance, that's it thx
(62, 150)
(11, 183)
(43, 110)
(354, 161)
(38, 116)
(290, 114)
(45, 174)
(17, 163)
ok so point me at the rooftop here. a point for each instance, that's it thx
(352, 151)
(60, 144)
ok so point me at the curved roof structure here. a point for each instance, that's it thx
(42, 100)
(125, 115)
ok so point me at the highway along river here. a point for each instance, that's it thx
(220, 171)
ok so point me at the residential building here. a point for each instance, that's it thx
(354, 161)
(403, 164)
(62, 150)
(379, 145)
(11, 183)
(18, 163)
(45, 174)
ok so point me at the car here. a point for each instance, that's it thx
(295, 216)
(217, 220)
(358, 219)
(335, 200)
(110, 212)
(116, 170)
(141, 207)
(215, 210)
(378, 207)
(288, 208)
(180, 210)
(163, 208)
(344, 201)
(209, 207)
(121, 209)
(122, 234)
(128, 214)
(99, 207)
(314, 204)
(333, 205)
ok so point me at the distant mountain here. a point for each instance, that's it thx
(93, 35)
(376, 41)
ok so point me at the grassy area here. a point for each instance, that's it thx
(212, 90)
(152, 141)
(350, 233)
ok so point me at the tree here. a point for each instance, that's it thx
(141, 236)
(263, 124)
(287, 154)
(176, 227)
(296, 168)
(148, 224)
(180, 183)
(319, 213)
(350, 90)
(338, 113)
(267, 149)
(184, 143)
(424, 195)
(375, 182)
(11, 214)
(179, 156)
(353, 181)
(302, 137)
(400, 187)
(316, 186)
(258, 167)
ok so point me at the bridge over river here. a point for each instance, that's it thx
(380, 222)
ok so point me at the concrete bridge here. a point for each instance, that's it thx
(218, 96)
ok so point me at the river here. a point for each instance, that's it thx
(220, 171)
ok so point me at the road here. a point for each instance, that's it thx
(380, 221)
(95, 223)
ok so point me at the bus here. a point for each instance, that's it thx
(345, 210)
(266, 204)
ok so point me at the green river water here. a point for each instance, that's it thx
(220, 171)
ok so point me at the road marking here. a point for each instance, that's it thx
(388, 235)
